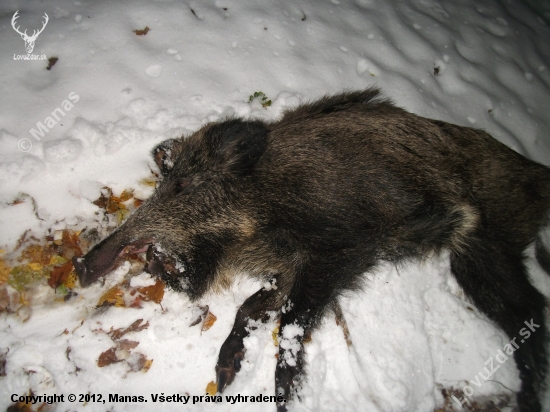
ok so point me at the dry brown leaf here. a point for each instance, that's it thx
(208, 322)
(142, 32)
(4, 300)
(137, 202)
(36, 253)
(134, 327)
(103, 200)
(70, 245)
(211, 388)
(20, 407)
(127, 194)
(111, 204)
(126, 344)
(154, 292)
(60, 274)
(51, 62)
(108, 358)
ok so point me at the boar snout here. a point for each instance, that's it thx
(103, 258)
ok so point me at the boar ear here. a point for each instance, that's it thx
(165, 154)
(239, 144)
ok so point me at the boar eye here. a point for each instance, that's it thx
(183, 185)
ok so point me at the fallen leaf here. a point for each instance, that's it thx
(4, 271)
(57, 260)
(211, 388)
(136, 362)
(134, 327)
(60, 275)
(51, 62)
(147, 365)
(103, 200)
(4, 300)
(275, 336)
(70, 245)
(113, 297)
(202, 315)
(126, 344)
(20, 407)
(142, 32)
(149, 181)
(153, 293)
(36, 253)
(122, 214)
(208, 322)
(71, 280)
(126, 195)
(108, 358)
(22, 276)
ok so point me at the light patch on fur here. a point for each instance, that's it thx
(468, 223)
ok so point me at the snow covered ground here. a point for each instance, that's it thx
(482, 64)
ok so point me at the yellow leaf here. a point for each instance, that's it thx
(113, 296)
(211, 388)
(23, 299)
(121, 215)
(57, 260)
(71, 280)
(149, 182)
(35, 266)
(4, 271)
(275, 335)
(147, 365)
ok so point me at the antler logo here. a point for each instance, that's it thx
(29, 40)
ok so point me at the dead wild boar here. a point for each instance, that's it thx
(313, 201)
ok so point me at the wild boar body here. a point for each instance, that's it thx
(313, 201)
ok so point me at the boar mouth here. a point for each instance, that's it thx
(103, 258)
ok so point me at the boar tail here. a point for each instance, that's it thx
(542, 255)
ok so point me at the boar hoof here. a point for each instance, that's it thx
(226, 375)
(82, 271)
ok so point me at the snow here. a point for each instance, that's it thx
(413, 332)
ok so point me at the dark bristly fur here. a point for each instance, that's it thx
(316, 199)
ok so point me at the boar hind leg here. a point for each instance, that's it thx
(256, 308)
(496, 279)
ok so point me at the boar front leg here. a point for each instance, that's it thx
(255, 308)
(300, 316)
